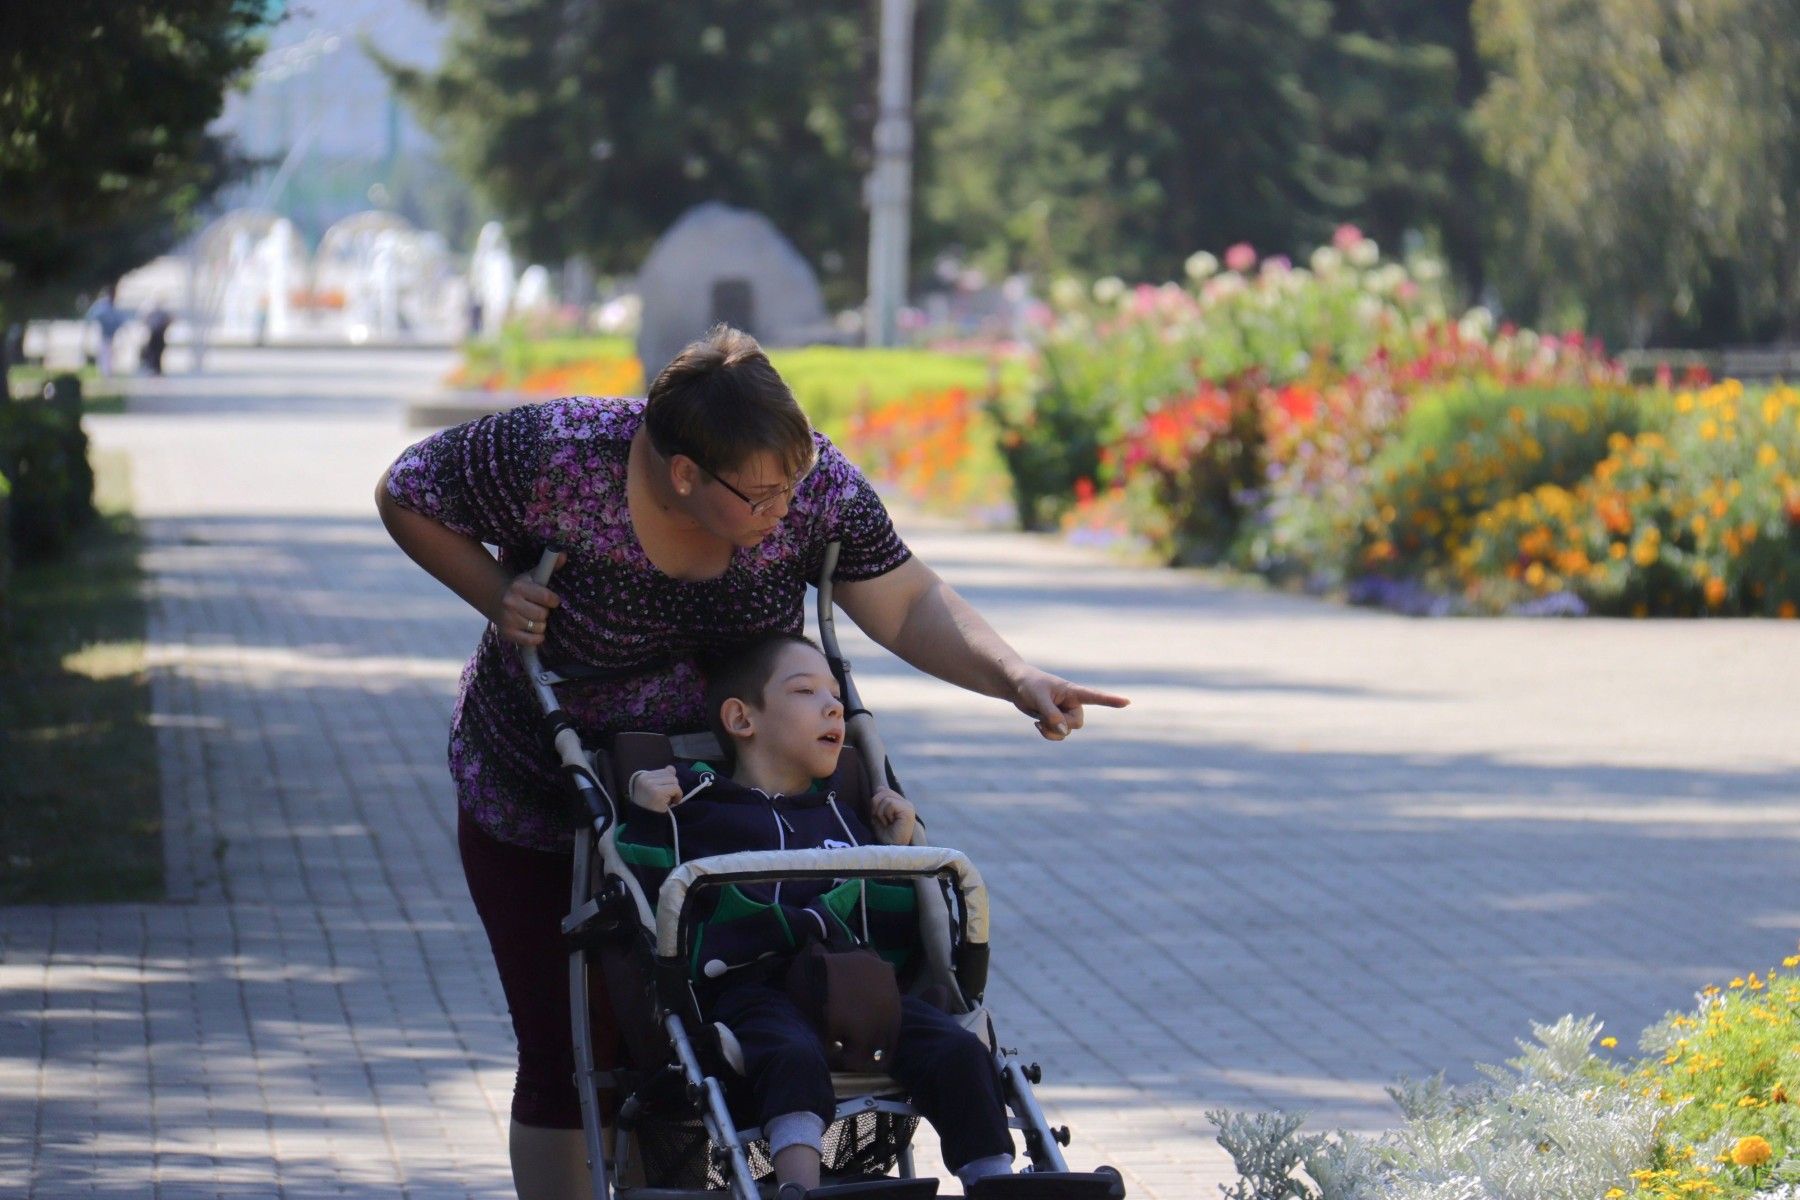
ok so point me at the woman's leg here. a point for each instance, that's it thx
(522, 896)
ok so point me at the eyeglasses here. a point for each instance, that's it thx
(758, 507)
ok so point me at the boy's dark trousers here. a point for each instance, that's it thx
(948, 1073)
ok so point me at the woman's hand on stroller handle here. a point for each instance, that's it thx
(525, 605)
(1056, 704)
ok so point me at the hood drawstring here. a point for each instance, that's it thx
(706, 781)
(782, 828)
(862, 885)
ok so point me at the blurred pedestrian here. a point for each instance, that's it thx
(156, 338)
(109, 318)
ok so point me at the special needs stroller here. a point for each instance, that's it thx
(672, 1133)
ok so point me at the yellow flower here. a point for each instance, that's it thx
(1737, 983)
(1609, 1042)
(1752, 1151)
(1709, 429)
(1766, 455)
(1792, 960)
(1534, 575)
(1749, 1102)
(1715, 596)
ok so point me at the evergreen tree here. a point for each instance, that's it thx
(592, 127)
(1397, 84)
(1118, 136)
(105, 155)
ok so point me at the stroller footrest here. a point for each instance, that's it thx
(1104, 1184)
(884, 1189)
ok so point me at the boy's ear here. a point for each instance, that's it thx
(737, 718)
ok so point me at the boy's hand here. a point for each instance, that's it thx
(656, 791)
(895, 816)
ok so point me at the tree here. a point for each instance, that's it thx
(105, 156)
(1655, 149)
(1118, 136)
(592, 127)
(1396, 86)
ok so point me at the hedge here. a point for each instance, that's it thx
(44, 456)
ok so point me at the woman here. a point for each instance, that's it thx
(691, 521)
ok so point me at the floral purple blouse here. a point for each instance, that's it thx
(554, 473)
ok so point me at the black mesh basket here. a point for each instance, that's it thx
(678, 1154)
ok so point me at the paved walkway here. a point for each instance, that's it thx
(1325, 848)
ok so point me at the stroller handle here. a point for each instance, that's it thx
(540, 575)
(852, 862)
(567, 742)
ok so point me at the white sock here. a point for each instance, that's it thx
(981, 1168)
(794, 1129)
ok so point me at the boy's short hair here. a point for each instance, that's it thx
(721, 401)
(742, 673)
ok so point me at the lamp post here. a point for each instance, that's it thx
(890, 183)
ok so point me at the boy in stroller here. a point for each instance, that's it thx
(775, 707)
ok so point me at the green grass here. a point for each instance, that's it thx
(515, 355)
(80, 818)
(830, 382)
(99, 394)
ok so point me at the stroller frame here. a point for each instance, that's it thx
(608, 906)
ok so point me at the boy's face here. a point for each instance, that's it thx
(800, 722)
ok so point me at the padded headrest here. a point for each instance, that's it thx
(634, 752)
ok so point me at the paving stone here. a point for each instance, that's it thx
(1324, 848)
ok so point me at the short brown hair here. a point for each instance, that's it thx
(721, 401)
(742, 673)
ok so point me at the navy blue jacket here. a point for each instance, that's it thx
(759, 925)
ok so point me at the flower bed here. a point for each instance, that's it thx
(1332, 427)
(916, 421)
(1700, 514)
(1706, 1113)
(550, 367)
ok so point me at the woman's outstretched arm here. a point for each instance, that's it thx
(916, 615)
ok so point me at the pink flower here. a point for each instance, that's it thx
(1240, 257)
(1346, 236)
